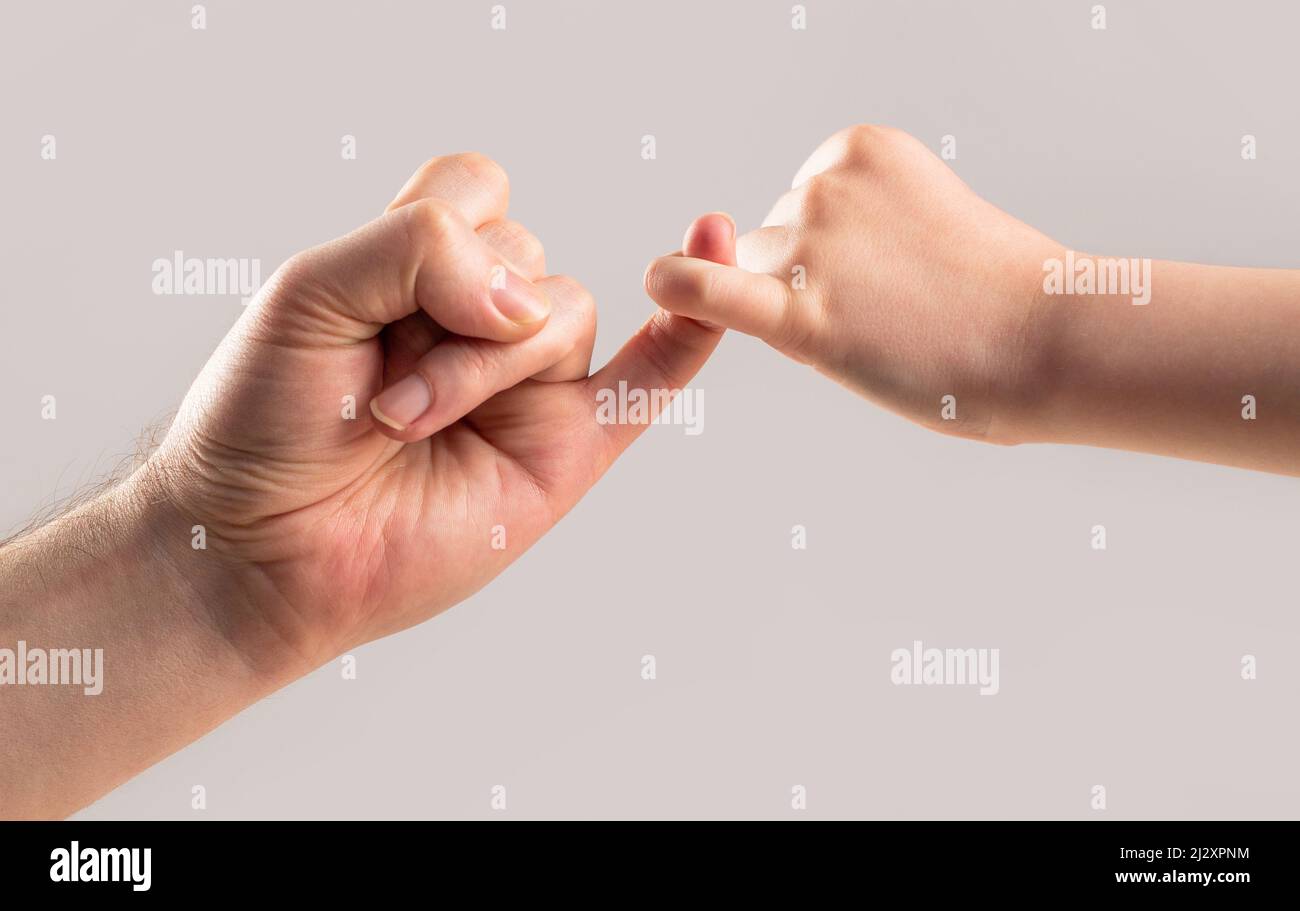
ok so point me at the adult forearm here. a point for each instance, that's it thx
(112, 653)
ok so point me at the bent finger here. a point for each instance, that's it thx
(471, 183)
(753, 303)
(423, 256)
(460, 373)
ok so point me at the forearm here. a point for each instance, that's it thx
(107, 577)
(1169, 377)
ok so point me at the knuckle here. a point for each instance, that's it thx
(430, 221)
(818, 197)
(473, 365)
(535, 252)
(790, 333)
(307, 280)
(656, 279)
(861, 137)
(711, 285)
(670, 284)
(577, 310)
(893, 137)
(295, 271)
(572, 293)
(655, 349)
(860, 143)
(431, 165)
(483, 169)
(529, 247)
(586, 336)
(799, 256)
(471, 166)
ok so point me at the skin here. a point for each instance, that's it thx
(914, 288)
(324, 533)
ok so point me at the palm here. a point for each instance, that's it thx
(439, 518)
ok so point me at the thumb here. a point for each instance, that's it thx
(667, 352)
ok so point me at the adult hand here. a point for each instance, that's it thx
(325, 531)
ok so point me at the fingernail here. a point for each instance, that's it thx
(402, 403)
(519, 300)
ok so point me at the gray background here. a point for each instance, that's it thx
(1118, 668)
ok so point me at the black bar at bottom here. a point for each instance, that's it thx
(332, 860)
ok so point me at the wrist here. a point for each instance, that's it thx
(218, 599)
(1022, 410)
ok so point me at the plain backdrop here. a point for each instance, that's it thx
(1118, 668)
